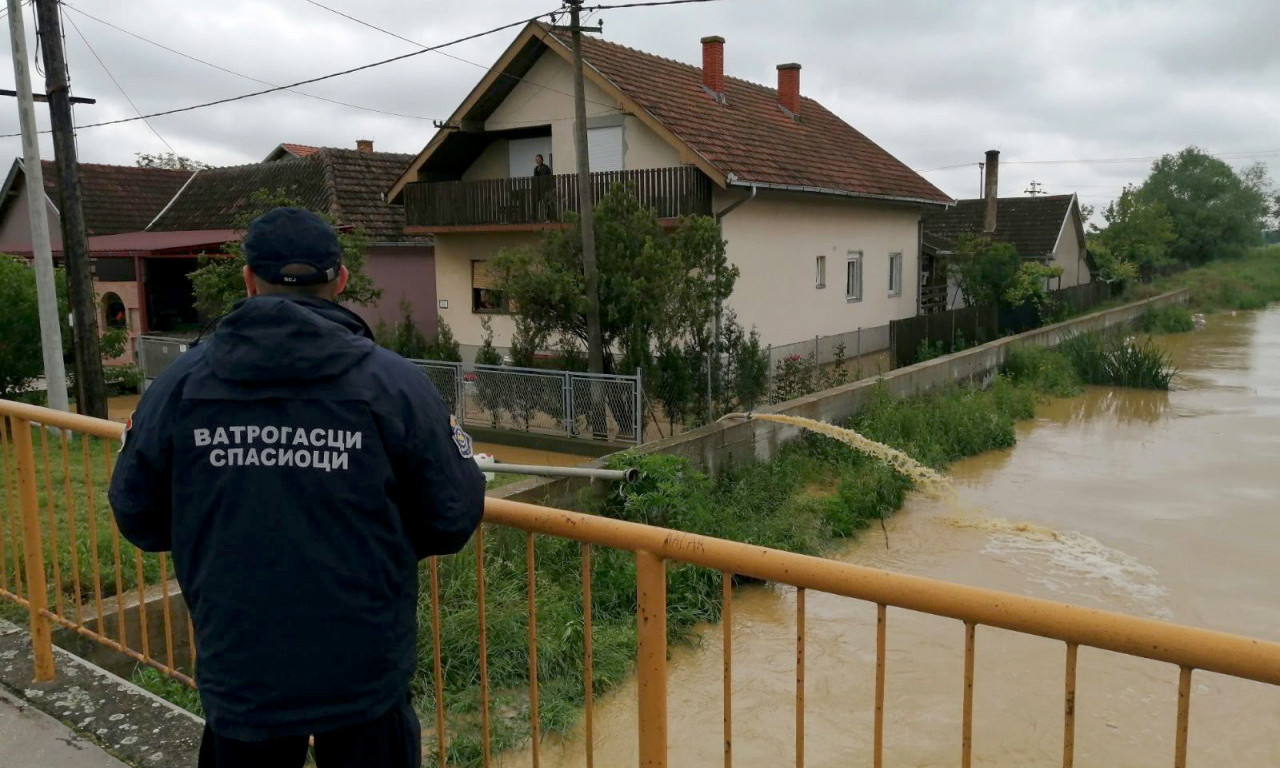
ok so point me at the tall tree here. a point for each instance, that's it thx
(1216, 212)
(218, 284)
(1138, 230)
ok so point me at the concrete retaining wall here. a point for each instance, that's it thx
(717, 446)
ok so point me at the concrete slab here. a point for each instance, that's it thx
(31, 739)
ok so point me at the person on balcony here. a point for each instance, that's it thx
(544, 188)
(298, 472)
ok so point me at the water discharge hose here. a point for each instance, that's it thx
(628, 476)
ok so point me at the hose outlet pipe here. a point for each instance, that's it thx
(627, 476)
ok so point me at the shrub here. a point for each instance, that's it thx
(1166, 319)
(1044, 369)
(1119, 362)
(793, 378)
(403, 337)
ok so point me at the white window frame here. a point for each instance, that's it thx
(820, 276)
(895, 274)
(853, 277)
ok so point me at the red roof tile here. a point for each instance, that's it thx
(750, 136)
(300, 150)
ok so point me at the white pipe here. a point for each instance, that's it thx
(616, 475)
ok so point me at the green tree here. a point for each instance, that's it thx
(1216, 212)
(404, 337)
(218, 284)
(655, 288)
(21, 356)
(1138, 231)
(983, 269)
(170, 161)
(1110, 268)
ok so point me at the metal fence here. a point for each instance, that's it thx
(826, 350)
(601, 406)
(63, 560)
(155, 353)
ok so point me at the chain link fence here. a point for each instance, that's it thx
(839, 347)
(565, 403)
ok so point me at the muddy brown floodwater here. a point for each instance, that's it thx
(1162, 505)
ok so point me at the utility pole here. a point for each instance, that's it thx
(55, 374)
(1034, 189)
(91, 394)
(595, 340)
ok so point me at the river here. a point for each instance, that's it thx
(1156, 504)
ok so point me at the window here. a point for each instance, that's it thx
(486, 299)
(895, 274)
(853, 277)
(604, 148)
(114, 313)
(820, 280)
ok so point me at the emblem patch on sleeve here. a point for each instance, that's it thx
(460, 439)
(124, 436)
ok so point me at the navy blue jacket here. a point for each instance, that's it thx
(298, 472)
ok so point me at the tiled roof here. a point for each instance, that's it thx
(344, 183)
(359, 179)
(118, 198)
(1031, 224)
(300, 150)
(750, 136)
(217, 197)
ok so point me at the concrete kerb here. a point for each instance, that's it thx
(134, 725)
(716, 446)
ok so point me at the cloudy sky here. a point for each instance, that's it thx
(934, 82)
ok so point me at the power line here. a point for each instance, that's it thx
(239, 74)
(309, 81)
(1108, 160)
(119, 87)
(646, 5)
(402, 38)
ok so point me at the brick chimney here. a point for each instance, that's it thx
(713, 64)
(789, 88)
(365, 146)
(991, 190)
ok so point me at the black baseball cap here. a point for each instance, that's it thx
(283, 237)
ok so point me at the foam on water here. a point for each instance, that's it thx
(1069, 562)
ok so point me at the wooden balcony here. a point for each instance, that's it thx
(532, 201)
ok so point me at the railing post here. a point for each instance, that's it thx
(33, 552)
(651, 660)
(570, 417)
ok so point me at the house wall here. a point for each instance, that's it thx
(404, 273)
(454, 254)
(128, 293)
(15, 227)
(1070, 255)
(545, 97)
(775, 241)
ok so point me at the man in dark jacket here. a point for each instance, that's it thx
(298, 472)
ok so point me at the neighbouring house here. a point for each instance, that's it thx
(346, 183)
(1044, 228)
(823, 223)
(116, 200)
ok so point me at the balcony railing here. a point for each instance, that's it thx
(670, 192)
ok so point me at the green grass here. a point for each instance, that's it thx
(1166, 319)
(70, 496)
(1252, 282)
(1047, 370)
(152, 680)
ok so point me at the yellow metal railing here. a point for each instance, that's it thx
(24, 564)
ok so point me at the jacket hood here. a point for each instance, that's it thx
(288, 338)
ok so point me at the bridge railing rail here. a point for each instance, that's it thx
(43, 511)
